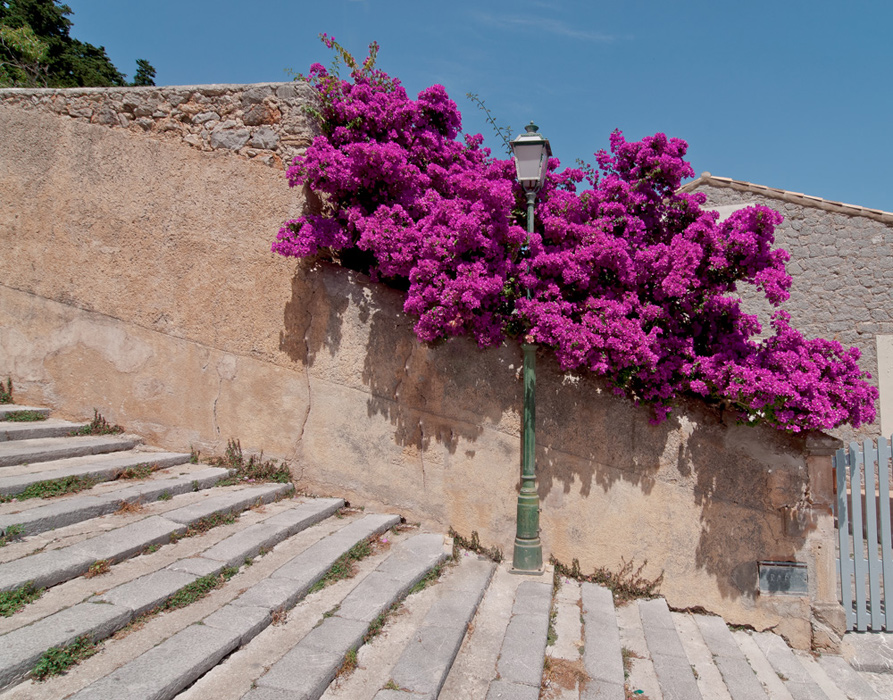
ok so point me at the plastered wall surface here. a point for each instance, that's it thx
(136, 278)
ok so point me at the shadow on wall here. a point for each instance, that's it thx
(700, 493)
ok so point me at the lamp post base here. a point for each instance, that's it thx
(527, 557)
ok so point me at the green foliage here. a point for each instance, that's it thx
(57, 660)
(25, 416)
(13, 532)
(626, 584)
(474, 545)
(98, 426)
(13, 601)
(345, 566)
(6, 391)
(55, 487)
(253, 469)
(165, 496)
(140, 471)
(427, 579)
(199, 588)
(36, 50)
(145, 73)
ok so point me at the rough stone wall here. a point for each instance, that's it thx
(842, 267)
(136, 278)
(262, 122)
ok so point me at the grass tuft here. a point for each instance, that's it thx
(98, 568)
(345, 567)
(98, 426)
(57, 660)
(6, 391)
(140, 471)
(199, 588)
(254, 469)
(25, 416)
(626, 584)
(12, 533)
(55, 487)
(474, 545)
(13, 601)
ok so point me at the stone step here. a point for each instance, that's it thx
(45, 449)
(311, 665)
(739, 677)
(673, 669)
(56, 513)
(107, 469)
(52, 567)
(51, 427)
(104, 614)
(7, 408)
(428, 656)
(603, 657)
(797, 680)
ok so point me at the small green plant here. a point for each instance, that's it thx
(252, 470)
(13, 601)
(626, 584)
(474, 545)
(57, 660)
(391, 685)
(348, 666)
(165, 496)
(25, 416)
(345, 566)
(151, 549)
(56, 487)
(199, 588)
(427, 579)
(98, 568)
(377, 625)
(6, 391)
(140, 471)
(552, 635)
(98, 426)
(210, 522)
(12, 533)
(194, 455)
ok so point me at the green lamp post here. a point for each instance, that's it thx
(531, 154)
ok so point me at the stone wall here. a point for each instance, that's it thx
(136, 278)
(842, 267)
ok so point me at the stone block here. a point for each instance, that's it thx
(22, 648)
(453, 608)
(304, 672)
(197, 566)
(146, 592)
(44, 569)
(247, 543)
(233, 501)
(523, 649)
(372, 596)
(306, 514)
(245, 620)
(533, 598)
(602, 657)
(507, 690)
(57, 514)
(598, 689)
(272, 594)
(129, 540)
(336, 635)
(427, 658)
(166, 669)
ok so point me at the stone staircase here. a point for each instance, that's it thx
(176, 587)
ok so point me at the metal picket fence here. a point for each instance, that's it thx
(864, 534)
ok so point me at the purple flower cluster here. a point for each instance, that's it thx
(626, 278)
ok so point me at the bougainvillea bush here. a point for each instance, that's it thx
(624, 276)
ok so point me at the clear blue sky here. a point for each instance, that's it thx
(793, 94)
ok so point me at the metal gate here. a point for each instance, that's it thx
(863, 529)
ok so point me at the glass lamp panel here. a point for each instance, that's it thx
(528, 160)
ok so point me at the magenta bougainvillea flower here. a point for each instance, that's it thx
(623, 276)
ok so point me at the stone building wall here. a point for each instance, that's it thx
(842, 265)
(136, 278)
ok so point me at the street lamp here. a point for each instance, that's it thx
(531, 154)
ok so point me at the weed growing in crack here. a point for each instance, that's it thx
(57, 660)
(194, 455)
(377, 625)
(199, 588)
(165, 496)
(252, 470)
(626, 584)
(54, 487)
(201, 526)
(474, 545)
(12, 533)
(129, 507)
(552, 635)
(98, 568)
(25, 416)
(6, 391)
(279, 616)
(15, 600)
(98, 426)
(345, 566)
(427, 579)
(140, 471)
(348, 666)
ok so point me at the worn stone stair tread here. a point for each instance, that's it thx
(21, 648)
(602, 655)
(7, 408)
(59, 513)
(821, 678)
(524, 645)
(51, 427)
(667, 654)
(845, 676)
(307, 669)
(795, 677)
(428, 656)
(506, 690)
(738, 675)
(58, 565)
(44, 449)
(158, 673)
(766, 674)
(106, 470)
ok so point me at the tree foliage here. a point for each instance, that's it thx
(36, 50)
(624, 276)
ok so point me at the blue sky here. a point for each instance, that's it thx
(793, 94)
